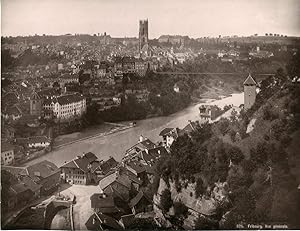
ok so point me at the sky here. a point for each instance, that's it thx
(120, 18)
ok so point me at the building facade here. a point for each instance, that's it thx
(79, 170)
(66, 106)
(7, 154)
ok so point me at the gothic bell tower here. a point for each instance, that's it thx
(143, 34)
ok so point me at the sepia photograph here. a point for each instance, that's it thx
(150, 115)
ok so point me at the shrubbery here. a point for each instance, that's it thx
(166, 200)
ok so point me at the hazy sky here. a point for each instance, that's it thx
(195, 18)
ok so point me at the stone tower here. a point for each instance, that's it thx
(249, 92)
(36, 104)
(143, 34)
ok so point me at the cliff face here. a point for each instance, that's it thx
(204, 206)
(260, 170)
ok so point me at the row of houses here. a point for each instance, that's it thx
(124, 187)
(30, 183)
(8, 149)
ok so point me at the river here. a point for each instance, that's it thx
(115, 144)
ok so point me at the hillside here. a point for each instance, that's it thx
(227, 174)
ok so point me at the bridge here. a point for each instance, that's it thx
(208, 73)
(43, 214)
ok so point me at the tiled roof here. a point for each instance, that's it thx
(10, 97)
(165, 131)
(16, 171)
(30, 183)
(189, 127)
(157, 152)
(20, 188)
(6, 147)
(13, 110)
(81, 162)
(98, 201)
(108, 180)
(106, 166)
(42, 169)
(48, 92)
(137, 166)
(68, 99)
(137, 199)
(70, 164)
(108, 221)
(148, 144)
(115, 177)
(250, 81)
(37, 139)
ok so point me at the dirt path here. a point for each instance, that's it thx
(82, 209)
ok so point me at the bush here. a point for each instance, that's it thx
(166, 200)
(232, 135)
(200, 189)
(269, 114)
(180, 209)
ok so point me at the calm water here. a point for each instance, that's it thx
(115, 144)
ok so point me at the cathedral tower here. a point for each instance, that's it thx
(143, 34)
(249, 92)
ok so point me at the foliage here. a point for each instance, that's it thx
(199, 189)
(166, 200)
(203, 223)
(180, 209)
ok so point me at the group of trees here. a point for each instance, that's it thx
(257, 182)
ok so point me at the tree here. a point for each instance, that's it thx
(235, 154)
(166, 200)
(199, 189)
(180, 209)
(203, 223)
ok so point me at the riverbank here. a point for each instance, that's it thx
(115, 143)
(85, 136)
(87, 133)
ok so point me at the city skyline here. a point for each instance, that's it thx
(120, 18)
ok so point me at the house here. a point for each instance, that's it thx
(66, 107)
(38, 142)
(104, 204)
(21, 193)
(138, 169)
(140, 203)
(209, 112)
(44, 173)
(12, 113)
(114, 183)
(7, 154)
(67, 78)
(7, 132)
(127, 220)
(143, 144)
(103, 222)
(190, 127)
(169, 135)
(10, 98)
(108, 165)
(78, 170)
